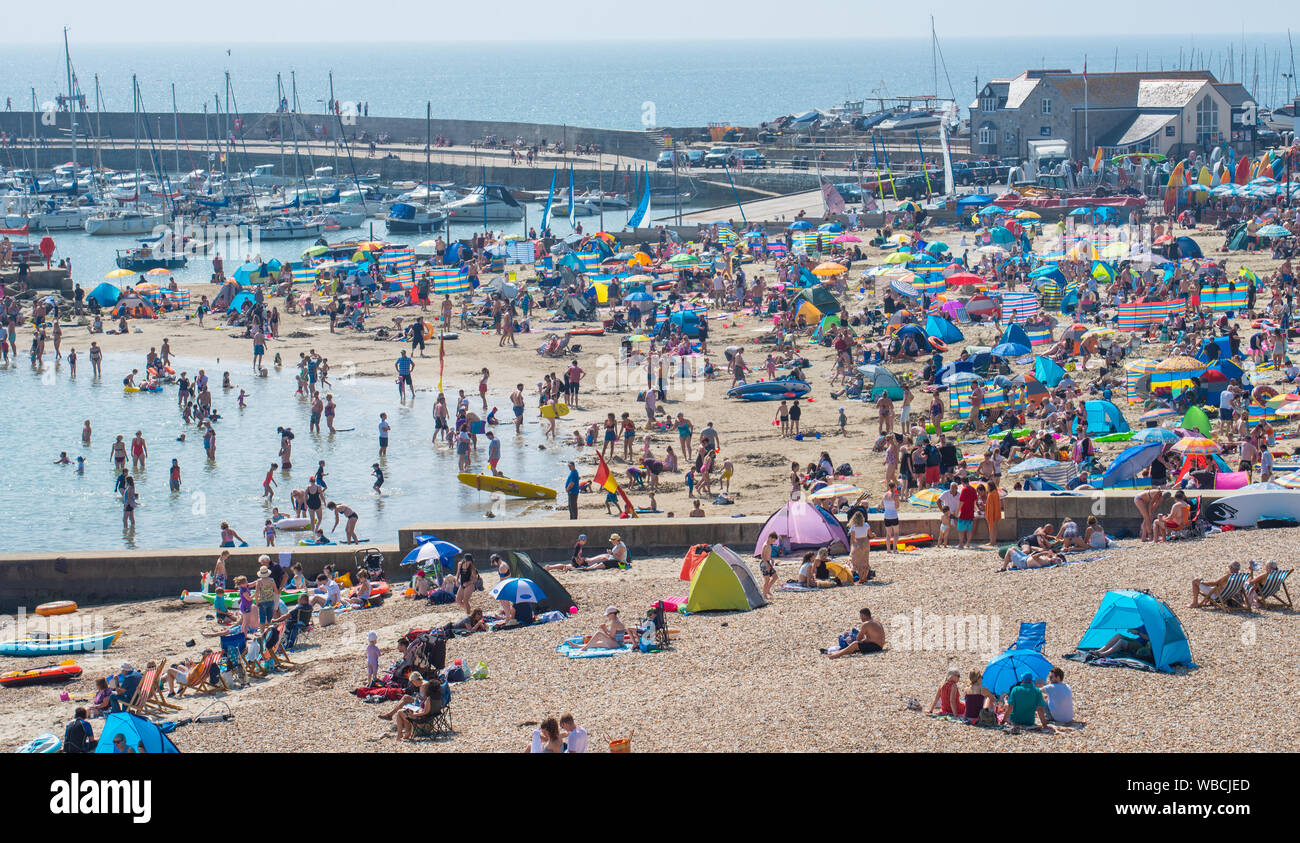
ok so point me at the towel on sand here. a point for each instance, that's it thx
(572, 647)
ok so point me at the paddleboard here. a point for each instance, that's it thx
(43, 744)
(293, 524)
(507, 486)
(1246, 509)
(558, 411)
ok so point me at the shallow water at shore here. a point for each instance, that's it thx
(52, 508)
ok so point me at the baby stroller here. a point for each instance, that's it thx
(232, 648)
(372, 560)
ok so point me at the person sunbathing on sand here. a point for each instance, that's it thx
(871, 637)
(611, 635)
(1017, 559)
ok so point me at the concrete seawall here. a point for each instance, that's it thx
(99, 577)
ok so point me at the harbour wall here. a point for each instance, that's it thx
(96, 577)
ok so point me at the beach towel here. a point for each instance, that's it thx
(571, 647)
(1110, 661)
(791, 586)
(673, 604)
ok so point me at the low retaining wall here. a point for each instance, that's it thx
(99, 577)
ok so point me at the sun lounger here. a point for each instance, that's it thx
(1032, 636)
(1274, 588)
(1233, 594)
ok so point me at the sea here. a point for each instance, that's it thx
(613, 85)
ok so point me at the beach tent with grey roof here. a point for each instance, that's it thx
(556, 599)
(1126, 612)
(818, 298)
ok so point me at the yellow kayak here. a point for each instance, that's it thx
(506, 486)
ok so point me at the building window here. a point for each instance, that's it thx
(1047, 106)
(1207, 122)
(986, 135)
(1009, 137)
(1045, 131)
(989, 104)
(1169, 131)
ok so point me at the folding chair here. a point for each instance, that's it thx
(1274, 588)
(437, 726)
(1233, 594)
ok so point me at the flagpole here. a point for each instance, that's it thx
(1085, 100)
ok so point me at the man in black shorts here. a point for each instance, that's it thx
(417, 336)
(871, 637)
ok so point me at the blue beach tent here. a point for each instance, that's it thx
(937, 326)
(1017, 335)
(1103, 418)
(136, 730)
(1121, 611)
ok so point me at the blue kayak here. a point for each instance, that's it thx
(770, 390)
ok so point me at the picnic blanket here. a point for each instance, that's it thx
(571, 647)
(794, 586)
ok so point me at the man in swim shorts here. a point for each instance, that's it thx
(871, 637)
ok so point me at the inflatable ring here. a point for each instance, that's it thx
(1261, 394)
(58, 607)
(938, 344)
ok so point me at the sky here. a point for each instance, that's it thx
(245, 21)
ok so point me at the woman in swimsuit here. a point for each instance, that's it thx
(129, 501)
(350, 526)
(889, 503)
(312, 502)
(611, 635)
(465, 574)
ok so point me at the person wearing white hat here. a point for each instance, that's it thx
(611, 634)
(616, 558)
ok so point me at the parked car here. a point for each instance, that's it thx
(750, 158)
(695, 158)
(665, 159)
(717, 156)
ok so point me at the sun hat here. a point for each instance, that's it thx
(415, 676)
(372, 636)
(611, 610)
(264, 571)
(615, 537)
(582, 537)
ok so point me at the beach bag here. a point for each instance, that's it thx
(848, 638)
(214, 674)
(480, 672)
(326, 617)
(986, 718)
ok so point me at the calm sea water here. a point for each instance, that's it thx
(61, 510)
(607, 85)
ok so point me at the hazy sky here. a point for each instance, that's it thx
(242, 21)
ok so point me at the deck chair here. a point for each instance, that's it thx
(281, 656)
(200, 677)
(437, 726)
(1274, 588)
(1233, 594)
(1032, 636)
(149, 698)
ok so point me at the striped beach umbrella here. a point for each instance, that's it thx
(903, 286)
(1196, 446)
(835, 490)
(517, 590)
(1156, 414)
(1289, 481)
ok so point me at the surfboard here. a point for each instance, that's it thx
(1246, 509)
(559, 410)
(507, 486)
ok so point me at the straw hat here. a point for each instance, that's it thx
(615, 537)
(264, 571)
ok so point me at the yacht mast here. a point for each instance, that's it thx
(72, 109)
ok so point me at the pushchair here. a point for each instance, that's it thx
(655, 628)
(372, 559)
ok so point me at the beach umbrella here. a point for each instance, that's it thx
(639, 259)
(800, 225)
(843, 238)
(903, 286)
(902, 238)
(1096, 332)
(959, 279)
(638, 338)
(313, 251)
(899, 257)
(1273, 230)
(1158, 413)
(1289, 481)
(428, 549)
(1291, 408)
(1001, 235)
(1009, 349)
(159, 271)
(1004, 670)
(960, 377)
(1278, 400)
(835, 490)
(832, 227)
(996, 251)
(991, 211)
(120, 273)
(828, 269)
(1155, 434)
(683, 259)
(908, 205)
(1115, 250)
(1026, 214)
(1196, 446)
(1180, 364)
(517, 590)
(639, 297)
(1033, 465)
(938, 247)
(926, 499)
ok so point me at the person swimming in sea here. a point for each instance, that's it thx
(174, 476)
(63, 459)
(379, 478)
(81, 465)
